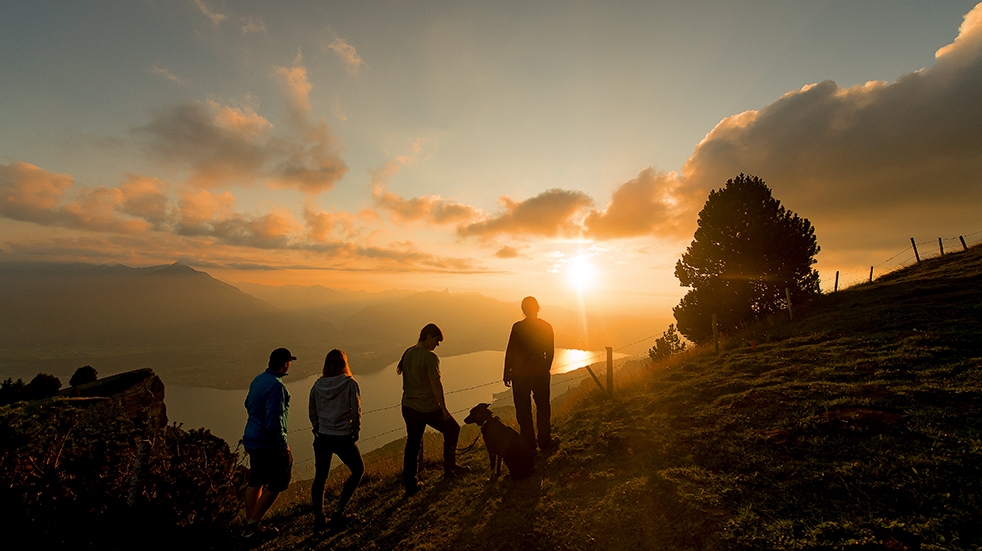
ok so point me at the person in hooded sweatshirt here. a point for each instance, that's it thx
(335, 414)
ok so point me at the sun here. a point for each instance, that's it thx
(581, 273)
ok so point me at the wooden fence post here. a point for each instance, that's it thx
(715, 335)
(610, 372)
(941, 246)
(836, 288)
(595, 379)
(917, 256)
(964, 246)
(871, 274)
(787, 293)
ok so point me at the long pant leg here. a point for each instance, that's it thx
(322, 467)
(543, 410)
(451, 434)
(415, 425)
(521, 390)
(351, 456)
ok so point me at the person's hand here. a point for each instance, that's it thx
(354, 435)
(507, 382)
(446, 413)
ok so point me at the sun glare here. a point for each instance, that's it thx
(581, 273)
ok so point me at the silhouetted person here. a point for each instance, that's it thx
(271, 462)
(528, 359)
(335, 414)
(423, 403)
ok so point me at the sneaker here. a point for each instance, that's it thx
(455, 471)
(257, 530)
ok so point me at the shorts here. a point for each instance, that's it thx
(270, 467)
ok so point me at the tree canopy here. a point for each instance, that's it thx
(747, 250)
(83, 375)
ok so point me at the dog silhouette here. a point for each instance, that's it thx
(503, 443)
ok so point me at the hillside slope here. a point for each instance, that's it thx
(857, 426)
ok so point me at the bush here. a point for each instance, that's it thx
(65, 473)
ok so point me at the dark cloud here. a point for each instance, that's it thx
(223, 146)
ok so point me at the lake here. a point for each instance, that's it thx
(468, 380)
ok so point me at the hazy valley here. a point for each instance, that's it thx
(194, 330)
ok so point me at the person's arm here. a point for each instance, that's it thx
(275, 406)
(510, 352)
(550, 345)
(355, 409)
(312, 411)
(437, 387)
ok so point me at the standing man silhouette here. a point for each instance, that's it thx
(423, 403)
(271, 462)
(528, 359)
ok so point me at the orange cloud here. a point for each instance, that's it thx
(431, 209)
(648, 204)
(298, 88)
(322, 225)
(552, 213)
(347, 54)
(30, 194)
(146, 198)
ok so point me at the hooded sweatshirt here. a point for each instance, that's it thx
(335, 406)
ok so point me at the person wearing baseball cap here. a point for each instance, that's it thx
(271, 462)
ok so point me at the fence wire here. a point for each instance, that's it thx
(925, 250)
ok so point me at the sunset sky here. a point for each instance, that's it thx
(508, 148)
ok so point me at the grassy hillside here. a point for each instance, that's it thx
(857, 426)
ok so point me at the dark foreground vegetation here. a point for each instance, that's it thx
(856, 426)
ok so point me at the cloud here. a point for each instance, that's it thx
(347, 54)
(312, 164)
(905, 155)
(507, 252)
(552, 213)
(197, 208)
(164, 72)
(213, 141)
(648, 204)
(223, 146)
(215, 17)
(321, 225)
(144, 220)
(294, 80)
(30, 194)
(253, 24)
(146, 198)
(431, 209)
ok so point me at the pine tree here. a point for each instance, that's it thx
(747, 250)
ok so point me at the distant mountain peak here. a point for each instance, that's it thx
(175, 269)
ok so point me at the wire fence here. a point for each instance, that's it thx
(907, 257)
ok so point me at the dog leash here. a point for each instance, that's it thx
(465, 449)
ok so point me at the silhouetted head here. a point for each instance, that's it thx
(336, 363)
(431, 330)
(530, 307)
(479, 414)
(279, 358)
